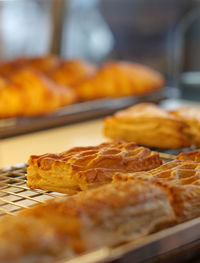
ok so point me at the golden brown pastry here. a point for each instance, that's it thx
(43, 64)
(28, 93)
(148, 125)
(82, 168)
(189, 156)
(106, 216)
(182, 182)
(72, 72)
(191, 116)
(117, 79)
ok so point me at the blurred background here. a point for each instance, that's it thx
(164, 34)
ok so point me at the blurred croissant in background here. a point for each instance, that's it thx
(39, 85)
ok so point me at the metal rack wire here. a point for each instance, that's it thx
(15, 195)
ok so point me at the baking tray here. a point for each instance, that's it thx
(180, 243)
(74, 113)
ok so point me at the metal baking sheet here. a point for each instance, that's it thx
(74, 113)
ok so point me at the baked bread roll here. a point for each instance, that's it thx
(117, 79)
(149, 125)
(106, 216)
(181, 180)
(82, 168)
(191, 116)
(71, 72)
(28, 93)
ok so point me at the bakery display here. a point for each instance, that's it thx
(117, 79)
(82, 80)
(28, 93)
(82, 168)
(106, 216)
(191, 116)
(149, 125)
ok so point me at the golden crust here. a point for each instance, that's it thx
(191, 116)
(29, 93)
(117, 79)
(148, 125)
(182, 182)
(72, 72)
(105, 216)
(85, 167)
(189, 156)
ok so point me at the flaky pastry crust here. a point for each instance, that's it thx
(106, 216)
(182, 182)
(148, 125)
(82, 168)
(191, 116)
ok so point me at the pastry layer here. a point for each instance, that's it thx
(82, 168)
(106, 216)
(182, 182)
(148, 125)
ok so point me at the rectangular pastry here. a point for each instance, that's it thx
(182, 182)
(149, 125)
(82, 168)
(105, 216)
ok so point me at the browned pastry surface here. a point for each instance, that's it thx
(116, 79)
(182, 182)
(149, 125)
(72, 72)
(189, 156)
(29, 93)
(105, 216)
(85, 167)
(191, 116)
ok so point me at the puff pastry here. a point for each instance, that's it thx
(72, 72)
(191, 116)
(116, 79)
(29, 93)
(82, 168)
(148, 125)
(106, 216)
(182, 182)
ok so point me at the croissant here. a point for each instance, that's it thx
(28, 93)
(72, 72)
(82, 168)
(116, 79)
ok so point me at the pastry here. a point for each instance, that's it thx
(106, 216)
(72, 72)
(82, 168)
(149, 125)
(117, 79)
(182, 182)
(191, 116)
(40, 64)
(28, 93)
(189, 156)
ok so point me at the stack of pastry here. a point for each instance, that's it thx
(149, 125)
(134, 202)
(74, 80)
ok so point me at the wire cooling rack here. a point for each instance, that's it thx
(15, 195)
